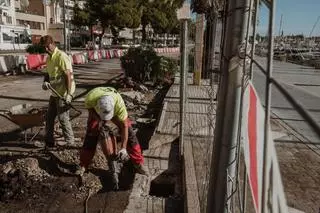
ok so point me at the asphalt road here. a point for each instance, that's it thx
(16, 90)
(303, 83)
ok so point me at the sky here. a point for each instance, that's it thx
(299, 16)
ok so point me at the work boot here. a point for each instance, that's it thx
(114, 168)
(141, 169)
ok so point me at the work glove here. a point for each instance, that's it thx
(123, 155)
(45, 85)
(68, 99)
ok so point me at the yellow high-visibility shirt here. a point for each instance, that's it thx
(91, 100)
(57, 65)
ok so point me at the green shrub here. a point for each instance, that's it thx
(142, 64)
(35, 49)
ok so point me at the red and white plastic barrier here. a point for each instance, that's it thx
(252, 134)
(167, 50)
(38, 61)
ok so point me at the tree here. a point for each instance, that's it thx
(123, 14)
(98, 15)
(80, 17)
(161, 14)
(83, 18)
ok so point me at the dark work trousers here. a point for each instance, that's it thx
(57, 108)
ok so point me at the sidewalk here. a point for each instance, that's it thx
(177, 185)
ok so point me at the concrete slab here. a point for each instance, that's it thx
(193, 92)
(197, 119)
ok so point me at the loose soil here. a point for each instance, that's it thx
(35, 180)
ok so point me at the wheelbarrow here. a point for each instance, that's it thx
(26, 117)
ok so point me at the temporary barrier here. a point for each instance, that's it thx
(91, 55)
(78, 58)
(96, 55)
(86, 57)
(111, 53)
(108, 54)
(103, 53)
(115, 52)
(252, 135)
(99, 54)
(43, 59)
(20, 59)
(34, 61)
(3, 66)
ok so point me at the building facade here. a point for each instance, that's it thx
(33, 19)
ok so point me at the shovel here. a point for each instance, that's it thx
(63, 99)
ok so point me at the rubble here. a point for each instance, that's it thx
(146, 120)
(28, 166)
(16, 177)
(133, 96)
(90, 184)
(24, 179)
(142, 88)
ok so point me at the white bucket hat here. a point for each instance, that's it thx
(106, 107)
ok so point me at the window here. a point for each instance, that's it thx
(6, 38)
(9, 20)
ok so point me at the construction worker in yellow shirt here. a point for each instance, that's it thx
(106, 105)
(59, 77)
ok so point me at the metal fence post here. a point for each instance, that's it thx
(268, 109)
(183, 81)
(223, 169)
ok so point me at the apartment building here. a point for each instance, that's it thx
(11, 35)
(33, 18)
(7, 20)
(32, 13)
(56, 16)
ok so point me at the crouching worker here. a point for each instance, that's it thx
(106, 105)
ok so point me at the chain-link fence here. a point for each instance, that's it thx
(200, 104)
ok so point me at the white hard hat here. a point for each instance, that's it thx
(106, 107)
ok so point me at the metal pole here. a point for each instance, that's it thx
(223, 170)
(183, 73)
(253, 49)
(69, 28)
(198, 56)
(245, 191)
(247, 40)
(268, 108)
(280, 25)
(212, 42)
(64, 26)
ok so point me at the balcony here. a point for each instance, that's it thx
(30, 17)
(56, 26)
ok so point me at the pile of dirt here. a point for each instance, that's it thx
(17, 177)
(90, 184)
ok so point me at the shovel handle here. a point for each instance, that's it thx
(64, 100)
(55, 92)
